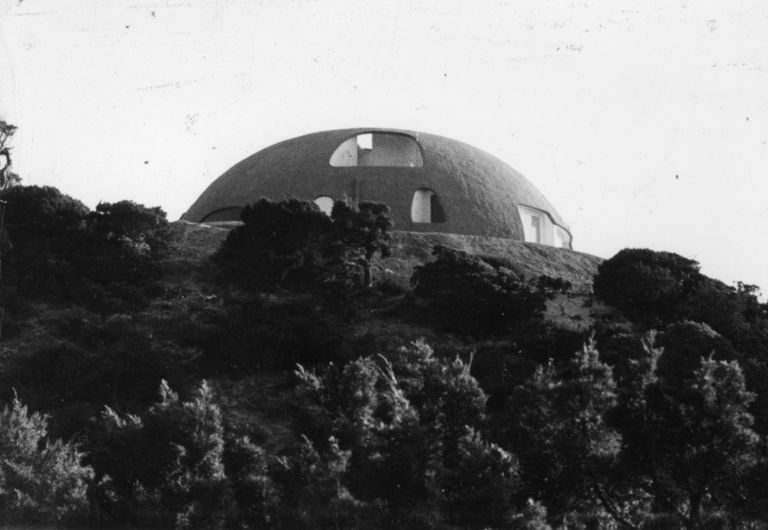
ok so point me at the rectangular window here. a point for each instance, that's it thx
(536, 225)
(365, 141)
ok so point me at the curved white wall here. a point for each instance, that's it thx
(539, 228)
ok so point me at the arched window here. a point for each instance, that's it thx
(378, 149)
(325, 204)
(421, 207)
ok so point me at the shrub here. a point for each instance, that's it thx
(40, 212)
(128, 224)
(247, 466)
(310, 491)
(478, 491)
(104, 259)
(359, 233)
(278, 242)
(557, 423)
(40, 481)
(646, 284)
(412, 428)
(688, 439)
(472, 296)
(293, 242)
(165, 467)
(684, 345)
(42, 224)
(267, 335)
(735, 313)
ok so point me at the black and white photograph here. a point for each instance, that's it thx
(377, 264)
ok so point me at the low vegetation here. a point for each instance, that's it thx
(284, 384)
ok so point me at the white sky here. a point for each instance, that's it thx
(645, 122)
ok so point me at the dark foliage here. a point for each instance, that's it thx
(164, 468)
(647, 285)
(126, 223)
(359, 233)
(60, 251)
(278, 242)
(557, 422)
(471, 296)
(666, 430)
(293, 243)
(265, 335)
(35, 212)
(94, 363)
(688, 437)
(411, 427)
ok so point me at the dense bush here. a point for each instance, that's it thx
(60, 251)
(266, 335)
(41, 481)
(278, 242)
(91, 364)
(293, 242)
(646, 284)
(688, 440)
(41, 212)
(412, 428)
(557, 422)
(359, 233)
(469, 295)
(127, 223)
(164, 468)
(658, 288)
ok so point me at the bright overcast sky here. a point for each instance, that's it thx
(644, 122)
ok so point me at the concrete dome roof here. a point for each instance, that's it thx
(475, 192)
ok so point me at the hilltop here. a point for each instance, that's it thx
(200, 380)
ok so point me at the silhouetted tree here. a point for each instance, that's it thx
(360, 231)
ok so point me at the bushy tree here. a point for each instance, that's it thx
(166, 466)
(61, 251)
(41, 212)
(310, 491)
(659, 288)
(278, 242)
(128, 224)
(688, 438)
(41, 481)
(360, 231)
(265, 335)
(477, 491)
(293, 242)
(646, 284)
(473, 296)
(247, 467)
(413, 428)
(557, 423)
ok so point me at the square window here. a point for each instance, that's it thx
(365, 141)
